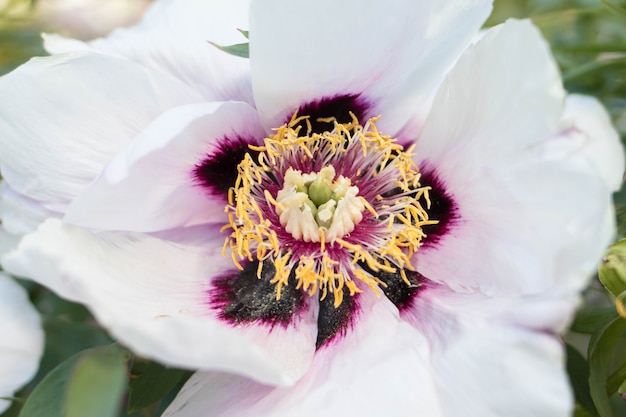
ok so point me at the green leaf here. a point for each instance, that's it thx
(87, 379)
(244, 33)
(616, 381)
(97, 383)
(65, 338)
(588, 320)
(150, 382)
(601, 347)
(580, 411)
(240, 49)
(578, 372)
(47, 398)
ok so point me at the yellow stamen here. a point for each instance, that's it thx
(369, 207)
(273, 201)
(252, 235)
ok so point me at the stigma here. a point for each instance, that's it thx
(314, 206)
(331, 211)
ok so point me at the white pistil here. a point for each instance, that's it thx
(313, 201)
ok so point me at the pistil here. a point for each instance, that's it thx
(315, 205)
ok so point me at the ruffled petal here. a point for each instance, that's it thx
(585, 116)
(174, 37)
(380, 368)
(21, 344)
(525, 199)
(152, 185)
(485, 362)
(152, 296)
(391, 55)
(87, 107)
(496, 100)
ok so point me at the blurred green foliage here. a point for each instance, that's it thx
(20, 34)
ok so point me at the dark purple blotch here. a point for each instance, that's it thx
(218, 171)
(339, 107)
(334, 321)
(397, 290)
(443, 208)
(241, 297)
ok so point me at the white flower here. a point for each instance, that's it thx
(21, 345)
(362, 275)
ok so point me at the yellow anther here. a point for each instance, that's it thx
(259, 269)
(224, 247)
(368, 206)
(251, 207)
(271, 199)
(405, 278)
(231, 194)
(322, 239)
(353, 288)
(235, 261)
(257, 148)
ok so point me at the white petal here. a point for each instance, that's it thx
(174, 37)
(525, 230)
(504, 93)
(62, 118)
(585, 115)
(493, 371)
(8, 241)
(381, 368)
(20, 214)
(393, 53)
(57, 44)
(152, 296)
(488, 366)
(151, 186)
(531, 211)
(21, 344)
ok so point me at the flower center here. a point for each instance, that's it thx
(328, 210)
(313, 207)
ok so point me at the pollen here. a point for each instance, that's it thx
(329, 210)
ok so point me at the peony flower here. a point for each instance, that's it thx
(22, 339)
(370, 215)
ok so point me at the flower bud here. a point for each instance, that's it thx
(612, 270)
